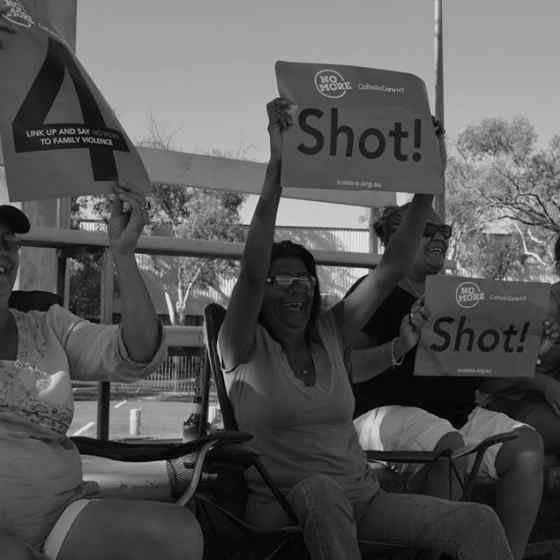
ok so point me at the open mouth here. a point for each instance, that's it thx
(294, 305)
(436, 250)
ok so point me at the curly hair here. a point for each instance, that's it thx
(389, 221)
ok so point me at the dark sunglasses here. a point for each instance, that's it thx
(444, 229)
(286, 281)
(9, 242)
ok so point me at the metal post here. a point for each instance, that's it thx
(439, 110)
(104, 400)
(372, 239)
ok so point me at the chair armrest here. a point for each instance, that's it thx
(431, 456)
(480, 450)
(405, 456)
(483, 445)
(427, 457)
(147, 452)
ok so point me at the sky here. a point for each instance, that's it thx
(203, 71)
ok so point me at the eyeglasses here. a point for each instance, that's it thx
(9, 242)
(444, 229)
(287, 281)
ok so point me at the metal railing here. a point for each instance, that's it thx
(176, 335)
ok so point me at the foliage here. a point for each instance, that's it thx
(502, 196)
(181, 212)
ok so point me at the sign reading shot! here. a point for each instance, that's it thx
(358, 129)
(59, 135)
(481, 328)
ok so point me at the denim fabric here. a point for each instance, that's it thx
(332, 524)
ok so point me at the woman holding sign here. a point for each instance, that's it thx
(287, 379)
(47, 511)
(396, 410)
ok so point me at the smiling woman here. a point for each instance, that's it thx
(285, 361)
(397, 410)
(48, 510)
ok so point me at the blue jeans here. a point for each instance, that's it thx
(332, 525)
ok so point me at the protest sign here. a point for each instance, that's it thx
(482, 328)
(358, 129)
(59, 135)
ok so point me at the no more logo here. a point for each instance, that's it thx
(468, 295)
(331, 84)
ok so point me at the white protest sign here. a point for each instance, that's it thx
(358, 129)
(59, 135)
(481, 328)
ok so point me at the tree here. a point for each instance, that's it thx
(517, 178)
(183, 212)
(500, 176)
(192, 213)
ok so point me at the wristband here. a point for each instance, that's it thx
(394, 361)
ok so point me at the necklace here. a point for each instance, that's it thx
(409, 287)
(306, 372)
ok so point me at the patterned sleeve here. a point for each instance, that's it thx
(97, 352)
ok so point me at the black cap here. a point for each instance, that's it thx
(15, 218)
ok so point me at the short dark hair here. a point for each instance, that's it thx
(288, 249)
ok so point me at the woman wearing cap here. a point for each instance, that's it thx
(46, 510)
(287, 379)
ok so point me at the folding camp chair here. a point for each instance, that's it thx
(213, 318)
(124, 483)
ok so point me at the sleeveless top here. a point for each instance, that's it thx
(451, 398)
(300, 431)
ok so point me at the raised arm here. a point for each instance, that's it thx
(396, 261)
(362, 303)
(141, 328)
(237, 335)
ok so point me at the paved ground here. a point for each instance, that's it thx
(158, 419)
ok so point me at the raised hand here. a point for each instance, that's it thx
(279, 119)
(125, 225)
(411, 325)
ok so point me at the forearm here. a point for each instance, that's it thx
(370, 362)
(256, 255)
(403, 244)
(139, 322)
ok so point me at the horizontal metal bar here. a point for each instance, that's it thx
(174, 246)
(156, 245)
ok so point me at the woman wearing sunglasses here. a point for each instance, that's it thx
(396, 410)
(285, 368)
